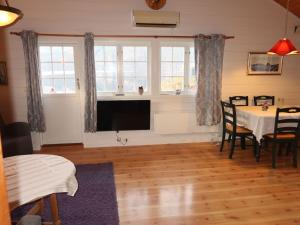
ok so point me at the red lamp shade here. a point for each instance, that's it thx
(283, 47)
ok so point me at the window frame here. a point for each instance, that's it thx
(120, 73)
(186, 85)
(61, 43)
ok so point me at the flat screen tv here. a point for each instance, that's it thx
(123, 115)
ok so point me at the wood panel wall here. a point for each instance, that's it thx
(294, 6)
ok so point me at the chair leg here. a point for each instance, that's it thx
(254, 143)
(274, 155)
(295, 155)
(229, 138)
(223, 139)
(243, 143)
(232, 146)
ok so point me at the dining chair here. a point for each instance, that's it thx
(230, 127)
(259, 100)
(286, 131)
(239, 100)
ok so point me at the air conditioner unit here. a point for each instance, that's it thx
(155, 18)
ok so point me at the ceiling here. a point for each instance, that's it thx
(294, 6)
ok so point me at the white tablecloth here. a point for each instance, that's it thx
(31, 177)
(260, 122)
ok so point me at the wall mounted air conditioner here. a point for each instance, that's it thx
(155, 18)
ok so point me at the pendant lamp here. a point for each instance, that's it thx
(9, 15)
(284, 46)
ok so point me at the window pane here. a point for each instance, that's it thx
(178, 69)
(99, 68)
(141, 54)
(45, 54)
(68, 54)
(47, 86)
(128, 53)
(106, 84)
(46, 69)
(69, 68)
(99, 53)
(141, 69)
(192, 54)
(58, 69)
(178, 54)
(128, 69)
(59, 85)
(141, 81)
(129, 85)
(111, 69)
(171, 83)
(58, 74)
(110, 53)
(166, 69)
(166, 54)
(57, 55)
(70, 85)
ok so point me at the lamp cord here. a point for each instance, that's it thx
(6, 1)
(286, 18)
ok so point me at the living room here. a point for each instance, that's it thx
(138, 66)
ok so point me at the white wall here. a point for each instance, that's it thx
(256, 25)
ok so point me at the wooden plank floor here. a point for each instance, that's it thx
(193, 184)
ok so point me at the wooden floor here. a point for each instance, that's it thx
(196, 184)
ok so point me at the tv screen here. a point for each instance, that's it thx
(123, 115)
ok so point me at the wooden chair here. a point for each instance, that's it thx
(286, 131)
(230, 126)
(259, 100)
(239, 100)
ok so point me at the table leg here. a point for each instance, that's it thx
(54, 210)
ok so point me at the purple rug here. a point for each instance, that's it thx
(95, 202)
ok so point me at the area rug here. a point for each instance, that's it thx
(95, 202)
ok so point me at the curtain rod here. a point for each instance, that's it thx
(121, 36)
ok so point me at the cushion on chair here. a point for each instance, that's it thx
(239, 130)
(280, 136)
(30, 220)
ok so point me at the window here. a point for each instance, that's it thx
(121, 68)
(57, 69)
(135, 68)
(106, 68)
(177, 68)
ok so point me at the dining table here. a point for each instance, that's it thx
(31, 178)
(260, 121)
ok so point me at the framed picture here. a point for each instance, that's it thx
(3, 74)
(261, 63)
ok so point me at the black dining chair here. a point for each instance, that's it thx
(286, 131)
(260, 100)
(230, 127)
(239, 100)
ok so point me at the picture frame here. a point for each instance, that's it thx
(3, 73)
(261, 63)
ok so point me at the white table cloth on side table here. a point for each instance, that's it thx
(33, 177)
(259, 121)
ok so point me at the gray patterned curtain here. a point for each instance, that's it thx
(35, 111)
(90, 115)
(209, 63)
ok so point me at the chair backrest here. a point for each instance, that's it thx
(229, 115)
(260, 100)
(285, 124)
(239, 100)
